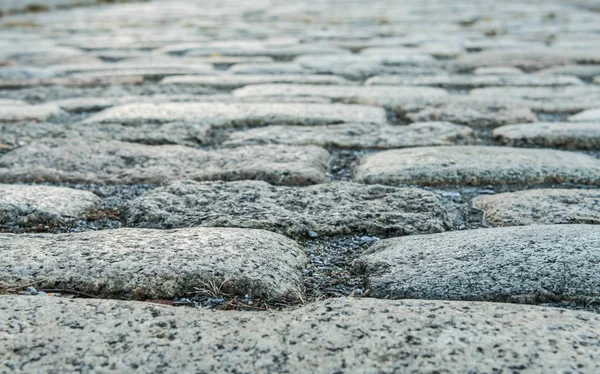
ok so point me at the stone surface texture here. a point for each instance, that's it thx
(329, 209)
(30, 205)
(340, 335)
(529, 264)
(542, 206)
(112, 162)
(477, 165)
(245, 162)
(157, 264)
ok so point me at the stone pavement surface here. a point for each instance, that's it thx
(283, 175)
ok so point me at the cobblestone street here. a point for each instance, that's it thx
(278, 186)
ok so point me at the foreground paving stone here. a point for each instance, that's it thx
(472, 81)
(240, 114)
(530, 264)
(543, 206)
(476, 165)
(327, 209)
(231, 81)
(114, 162)
(20, 112)
(550, 134)
(156, 264)
(336, 335)
(370, 95)
(30, 205)
(592, 115)
(357, 135)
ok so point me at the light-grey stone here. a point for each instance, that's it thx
(19, 112)
(477, 165)
(568, 99)
(581, 71)
(542, 206)
(328, 209)
(474, 81)
(251, 48)
(157, 264)
(530, 264)
(362, 66)
(268, 68)
(550, 134)
(30, 205)
(114, 162)
(81, 81)
(231, 81)
(238, 114)
(370, 95)
(501, 70)
(336, 335)
(467, 110)
(528, 58)
(357, 135)
(591, 115)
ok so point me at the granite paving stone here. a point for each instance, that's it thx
(357, 135)
(115, 162)
(30, 205)
(528, 264)
(578, 135)
(154, 264)
(356, 335)
(477, 165)
(340, 208)
(541, 206)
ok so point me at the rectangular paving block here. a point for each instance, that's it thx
(52, 334)
(357, 135)
(540, 207)
(530, 264)
(238, 114)
(477, 165)
(370, 95)
(30, 205)
(156, 264)
(550, 134)
(18, 112)
(114, 162)
(568, 99)
(528, 58)
(231, 81)
(471, 111)
(340, 208)
(590, 115)
(473, 81)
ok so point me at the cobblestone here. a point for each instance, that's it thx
(542, 206)
(146, 144)
(529, 264)
(155, 264)
(329, 209)
(477, 165)
(552, 135)
(112, 162)
(329, 336)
